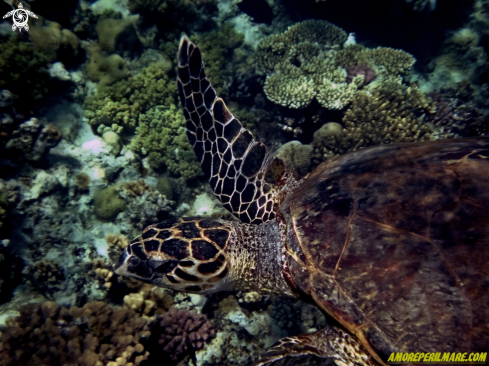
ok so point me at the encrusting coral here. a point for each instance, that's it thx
(307, 61)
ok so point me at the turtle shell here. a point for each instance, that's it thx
(393, 242)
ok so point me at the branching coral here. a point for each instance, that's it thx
(95, 335)
(161, 134)
(391, 113)
(181, 331)
(306, 62)
(123, 102)
(47, 276)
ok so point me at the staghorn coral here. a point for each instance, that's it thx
(387, 114)
(181, 332)
(123, 102)
(93, 335)
(161, 135)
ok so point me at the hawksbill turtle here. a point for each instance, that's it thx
(392, 242)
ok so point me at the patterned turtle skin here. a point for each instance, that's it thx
(185, 254)
(391, 241)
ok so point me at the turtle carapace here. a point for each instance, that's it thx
(391, 241)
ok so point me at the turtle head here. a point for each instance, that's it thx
(186, 254)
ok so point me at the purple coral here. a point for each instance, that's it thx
(355, 70)
(181, 331)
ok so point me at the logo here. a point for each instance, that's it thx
(445, 358)
(20, 17)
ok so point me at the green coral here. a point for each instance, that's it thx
(108, 204)
(123, 102)
(161, 134)
(22, 69)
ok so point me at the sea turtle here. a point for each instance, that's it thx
(391, 241)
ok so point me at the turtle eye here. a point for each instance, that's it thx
(187, 254)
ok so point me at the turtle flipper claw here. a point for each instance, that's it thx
(234, 163)
(328, 346)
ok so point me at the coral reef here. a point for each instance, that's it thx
(95, 334)
(307, 62)
(296, 156)
(11, 266)
(47, 276)
(145, 205)
(123, 102)
(23, 70)
(161, 135)
(217, 46)
(108, 204)
(181, 331)
(32, 140)
(105, 69)
(55, 43)
(149, 300)
(390, 113)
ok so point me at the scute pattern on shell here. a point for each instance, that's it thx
(396, 237)
(232, 161)
(186, 252)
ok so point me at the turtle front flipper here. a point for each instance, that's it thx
(328, 346)
(233, 162)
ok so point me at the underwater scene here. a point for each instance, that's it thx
(244, 182)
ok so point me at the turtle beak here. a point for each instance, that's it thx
(121, 266)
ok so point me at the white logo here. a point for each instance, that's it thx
(20, 17)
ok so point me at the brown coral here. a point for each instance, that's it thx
(388, 114)
(181, 331)
(94, 335)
